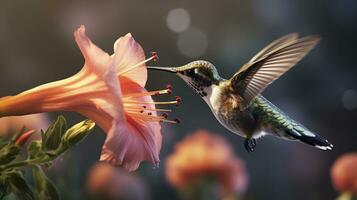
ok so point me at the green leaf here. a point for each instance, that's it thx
(19, 185)
(5, 188)
(2, 142)
(8, 153)
(44, 186)
(34, 150)
(77, 133)
(51, 139)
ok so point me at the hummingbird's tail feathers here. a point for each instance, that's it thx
(309, 138)
(279, 124)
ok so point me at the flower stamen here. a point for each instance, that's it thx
(152, 102)
(169, 87)
(154, 57)
(159, 110)
(141, 110)
(153, 118)
(151, 93)
(175, 121)
(145, 111)
(154, 54)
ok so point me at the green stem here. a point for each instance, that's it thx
(25, 162)
(12, 165)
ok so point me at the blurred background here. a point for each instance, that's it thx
(37, 46)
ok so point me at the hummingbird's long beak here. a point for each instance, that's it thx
(165, 69)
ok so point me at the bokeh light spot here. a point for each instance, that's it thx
(178, 20)
(349, 99)
(192, 43)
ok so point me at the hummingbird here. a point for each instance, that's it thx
(237, 102)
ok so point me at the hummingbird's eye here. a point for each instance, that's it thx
(190, 72)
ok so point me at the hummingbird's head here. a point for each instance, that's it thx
(200, 75)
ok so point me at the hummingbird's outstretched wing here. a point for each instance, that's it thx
(273, 46)
(269, 64)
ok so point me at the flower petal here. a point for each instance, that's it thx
(103, 111)
(129, 53)
(128, 143)
(134, 140)
(95, 58)
(129, 87)
(99, 65)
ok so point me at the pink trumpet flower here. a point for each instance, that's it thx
(110, 91)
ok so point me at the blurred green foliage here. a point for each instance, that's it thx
(56, 140)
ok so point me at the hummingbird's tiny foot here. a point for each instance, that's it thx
(250, 144)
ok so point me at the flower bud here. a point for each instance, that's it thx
(51, 139)
(22, 139)
(11, 149)
(8, 153)
(77, 133)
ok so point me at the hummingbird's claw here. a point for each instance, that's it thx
(250, 144)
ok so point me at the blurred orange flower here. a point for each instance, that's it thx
(110, 91)
(107, 182)
(203, 154)
(14, 124)
(344, 173)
